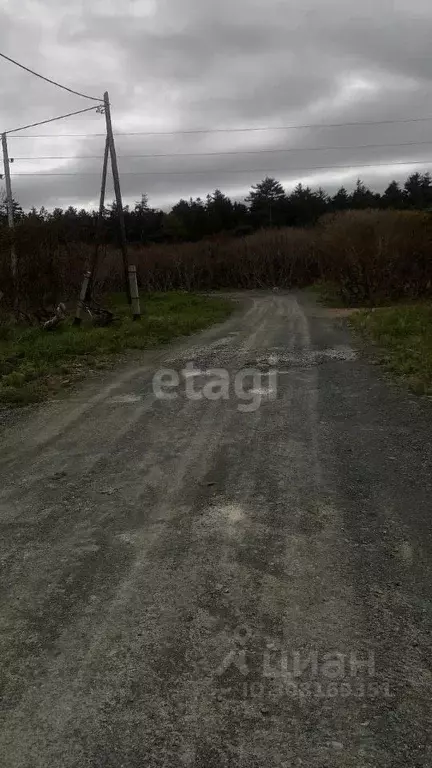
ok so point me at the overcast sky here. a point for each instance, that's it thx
(178, 65)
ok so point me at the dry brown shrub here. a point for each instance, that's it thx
(283, 258)
(375, 256)
(370, 256)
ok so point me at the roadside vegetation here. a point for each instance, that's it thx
(370, 257)
(36, 363)
(402, 336)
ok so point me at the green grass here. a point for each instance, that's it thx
(403, 339)
(36, 363)
(332, 295)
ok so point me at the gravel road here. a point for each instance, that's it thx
(199, 581)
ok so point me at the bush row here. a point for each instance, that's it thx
(371, 256)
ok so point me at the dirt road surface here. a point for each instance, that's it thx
(190, 583)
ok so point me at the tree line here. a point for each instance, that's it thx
(267, 205)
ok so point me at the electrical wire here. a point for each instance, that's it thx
(277, 128)
(210, 171)
(48, 80)
(232, 130)
(234, 152)
(51, 120)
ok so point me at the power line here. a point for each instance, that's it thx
(229, 152)
(230, 170)
(231, 130)
(52, 120)
(47, 79)
(277, 128)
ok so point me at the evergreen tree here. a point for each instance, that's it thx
(393, 197)
(362, 197)
(266, 201)
(304, 207)
(220, 212)
(341, 200)
(192, 215)
(418, 191)
(18, 212)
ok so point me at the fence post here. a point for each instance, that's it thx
(80, 306)
(133, 284)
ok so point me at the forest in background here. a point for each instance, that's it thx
(267, 205)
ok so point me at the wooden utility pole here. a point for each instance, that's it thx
(87, 285)
(117, 190)
(99, 219)
(9, 203)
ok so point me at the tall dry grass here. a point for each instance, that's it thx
(370, 256)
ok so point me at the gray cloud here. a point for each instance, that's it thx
(172, 65)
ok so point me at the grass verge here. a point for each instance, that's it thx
(403, 339)
(36, 363)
